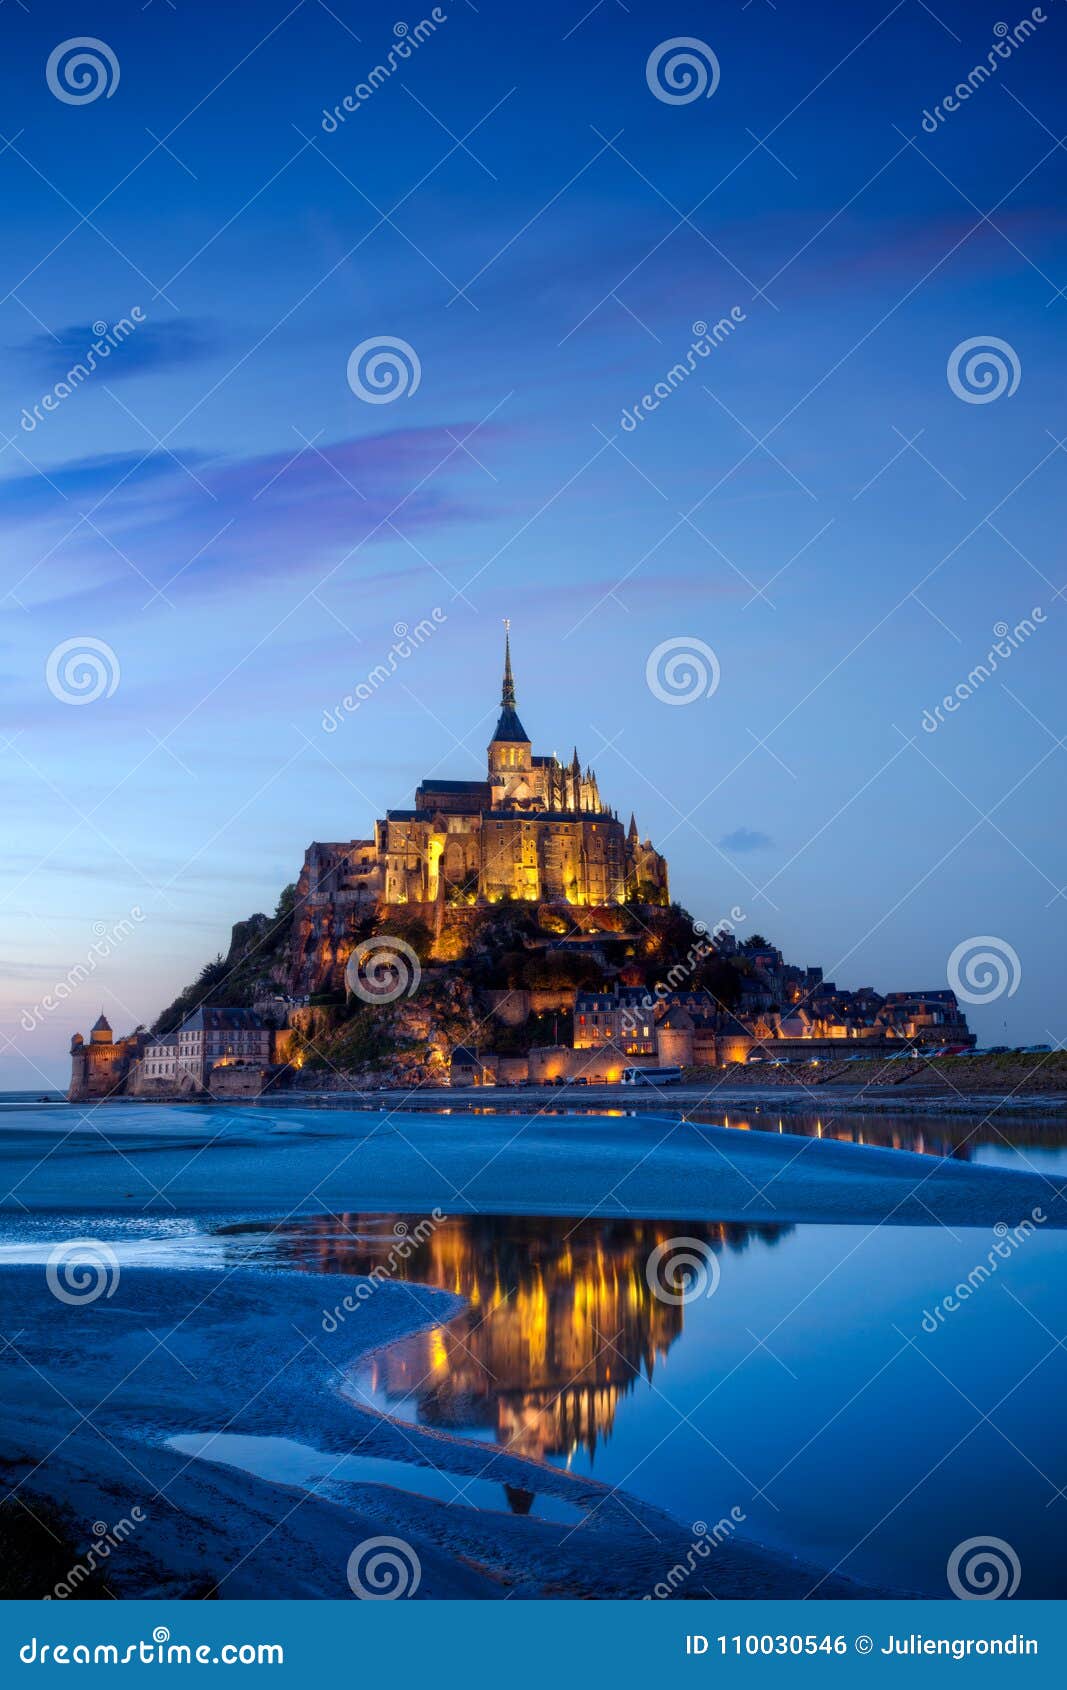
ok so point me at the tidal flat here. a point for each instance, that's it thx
(313, 1328)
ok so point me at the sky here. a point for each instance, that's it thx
(827, 516)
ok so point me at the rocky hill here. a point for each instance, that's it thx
(502, 975)
(256, 964)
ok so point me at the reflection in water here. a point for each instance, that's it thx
(929, 1132)
(842, 1442)
(561, 1321)
(940, 1137)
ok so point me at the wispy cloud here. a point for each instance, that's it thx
(65, 490)
(745, 839)
(204, 521)
(168, 344)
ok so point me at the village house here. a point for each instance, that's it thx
(211, 1038)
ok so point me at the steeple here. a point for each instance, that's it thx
(509, 729)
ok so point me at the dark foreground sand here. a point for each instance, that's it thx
(93, 1391)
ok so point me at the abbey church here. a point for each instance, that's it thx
(534, 829)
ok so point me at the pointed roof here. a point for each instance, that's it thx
(103, 1025)
(509, 727)
(216, 1019)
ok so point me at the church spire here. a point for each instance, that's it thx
(509, 730)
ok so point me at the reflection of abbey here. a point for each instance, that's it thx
(561, 1322)
(534, 829)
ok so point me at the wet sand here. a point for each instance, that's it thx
(102, 1387)
(163, 1159)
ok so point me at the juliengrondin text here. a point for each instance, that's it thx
(811, 1643)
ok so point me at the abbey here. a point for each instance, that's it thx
(534, 829)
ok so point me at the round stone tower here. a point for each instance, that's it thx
(674, 1039)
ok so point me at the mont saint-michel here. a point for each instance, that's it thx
(518, 1006)
(509, 930)
(534, 829)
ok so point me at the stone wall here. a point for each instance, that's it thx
(552, 1062)
(234, 1081)
(141, 1084)
(514, 1008)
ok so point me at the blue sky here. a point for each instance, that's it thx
(243, 532)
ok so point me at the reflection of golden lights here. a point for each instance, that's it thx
(535, 1362)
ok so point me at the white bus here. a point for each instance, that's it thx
(651, 1076)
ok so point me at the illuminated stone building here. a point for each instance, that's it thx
(217, 1038)
(99, 1068)
(622, 1017)
(534, 828)
(143, 1065)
